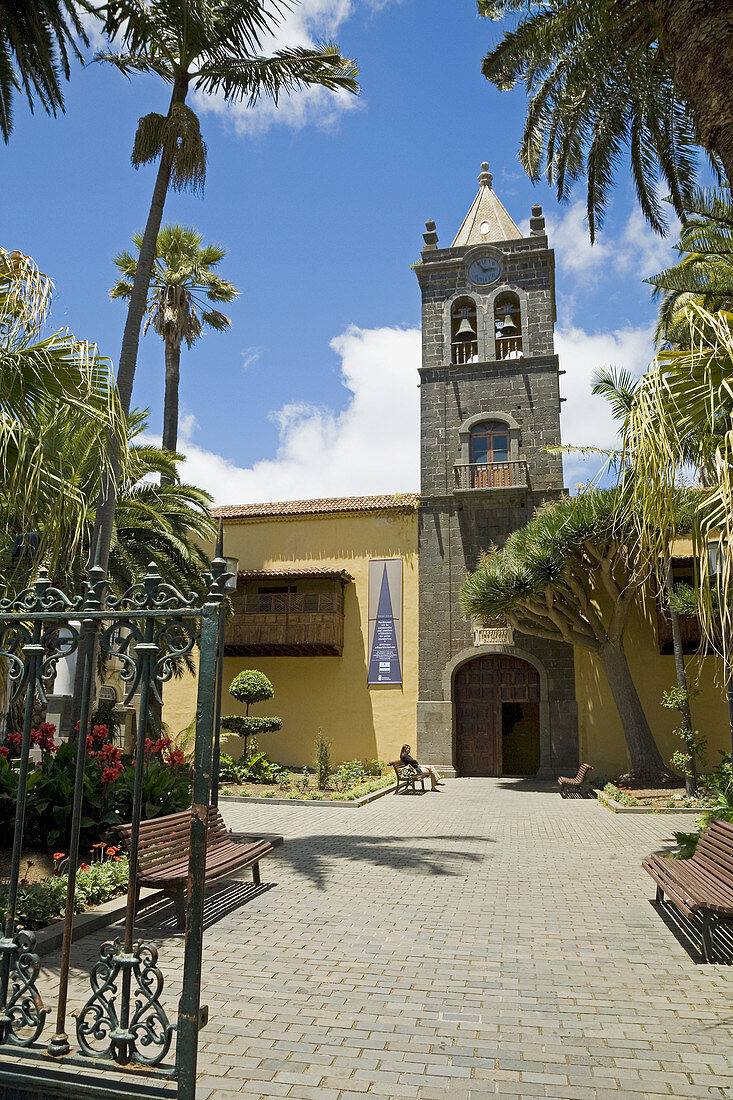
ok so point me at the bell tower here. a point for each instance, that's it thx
(491, 702)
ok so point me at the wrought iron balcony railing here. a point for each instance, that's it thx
(491, 475)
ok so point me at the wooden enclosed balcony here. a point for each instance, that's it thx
(491, 475)
(306, 619)
(690, 631)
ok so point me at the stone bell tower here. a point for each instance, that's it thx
(491, 702)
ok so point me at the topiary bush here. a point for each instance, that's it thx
(250, 687)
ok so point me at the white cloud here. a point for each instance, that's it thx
(250, 356)
(587, 420)
(308, 23)
(371, 446)
(636, 250)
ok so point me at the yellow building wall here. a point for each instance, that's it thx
(331, 693)
(601, 735)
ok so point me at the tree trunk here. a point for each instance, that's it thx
(170, 407)
(647, 766)
(696, 37)
(104, 518)
(681, 672)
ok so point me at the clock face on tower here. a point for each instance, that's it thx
(484, 270)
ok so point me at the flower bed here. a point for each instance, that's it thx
(665, 800)
(301, 793)
(108, 785)
(43, 901)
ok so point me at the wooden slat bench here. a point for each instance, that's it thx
(577, 787)
(702, 884)
(164, 849)
(407, 777)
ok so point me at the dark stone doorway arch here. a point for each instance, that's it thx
(497, 713)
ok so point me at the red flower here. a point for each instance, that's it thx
(4, 751)
(175, 756)
(84, 867)
(35, 737)
(59, 855)
(15, 739)
(111, 851)
(109, 775)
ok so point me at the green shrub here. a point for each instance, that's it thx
(268, 794)
(376, 768)
(250, 687)
(41, 902)
(618, 795)
(348, 774)
(283, 778)
(323, 760)
(256, 768)
(719, 806)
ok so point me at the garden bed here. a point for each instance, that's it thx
(666, 800)
(359, 795)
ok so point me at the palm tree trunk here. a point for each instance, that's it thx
(696, 36)
(104, 519)
(170, 408)
(647, 766)
(681, 672)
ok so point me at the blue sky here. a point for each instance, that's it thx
(321, 205)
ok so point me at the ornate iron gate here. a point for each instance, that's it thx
(123, 1026)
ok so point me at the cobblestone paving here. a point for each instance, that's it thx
(487, 940)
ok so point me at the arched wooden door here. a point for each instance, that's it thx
(489, 692)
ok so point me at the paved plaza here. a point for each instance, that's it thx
(490, 939)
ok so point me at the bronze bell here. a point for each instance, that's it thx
(509, 328)
(465, 330)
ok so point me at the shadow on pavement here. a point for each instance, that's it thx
(220, 900)
(313, 856)
(528, 784)
(688, 933)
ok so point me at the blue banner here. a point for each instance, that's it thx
(384, 660)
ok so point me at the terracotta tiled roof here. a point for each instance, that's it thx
(316, 573)
(393, 502)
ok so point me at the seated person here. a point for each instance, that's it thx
(421, 769)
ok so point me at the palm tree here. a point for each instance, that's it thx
(704, 274)
(39, 373)
(682, 415)
(37, 40)
(209, 46)
(158, 518)
(653, 75)
(182, 278)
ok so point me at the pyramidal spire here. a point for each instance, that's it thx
(487, 220)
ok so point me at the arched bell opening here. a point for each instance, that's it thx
(464, 333)
(508, 326)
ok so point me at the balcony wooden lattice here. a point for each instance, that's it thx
(295, 624)
(690, 631)
(491, 475)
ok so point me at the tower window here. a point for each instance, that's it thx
(508, 326)
(489, 443)
(464, 338)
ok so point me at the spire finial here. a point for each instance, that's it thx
(485, 176)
